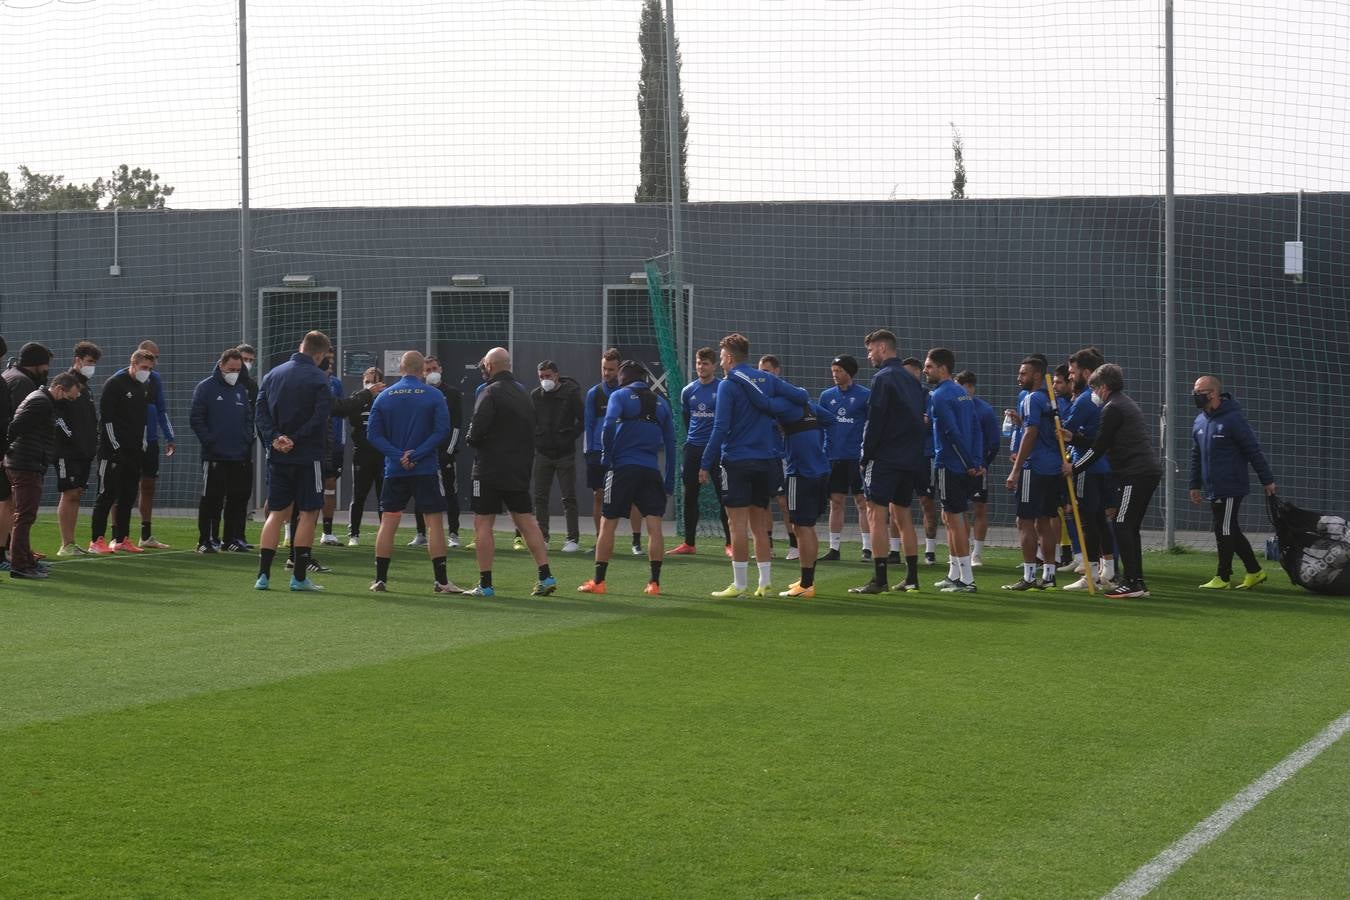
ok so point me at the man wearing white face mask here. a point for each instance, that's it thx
(223, 423)
(76, 445)
(123, 406)
(445, 458)
(559, 419)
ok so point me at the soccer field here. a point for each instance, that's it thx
(167, 730)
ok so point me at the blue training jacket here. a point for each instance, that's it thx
(627, 438)
(597, 405)
(743, 425)
(804, 437)
(408, 415)
(294, 399)
(221, 418)
(1222, 447)
(991, 430)
(1084, 418)
(339, 423)
(699, 402)
(957, 442)
(1044, 458)
(894, 433)
(845, 418)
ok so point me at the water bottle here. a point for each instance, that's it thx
(1007, 423)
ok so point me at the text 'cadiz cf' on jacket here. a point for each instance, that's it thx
(501, 432)
(221, 419)
(32, 433)
(122, 410)
(408, 415)
(295, 399)
(1223, 445)
(895, 429)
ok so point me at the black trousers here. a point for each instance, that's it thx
(225, 486)
(119, 482)
(1228, 534)
(450, 482)
(366, 474)
(693, 457)
(1135, 494)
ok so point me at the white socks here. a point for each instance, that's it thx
(835, 538)
(1048, 571)
(964, 572)
(1028, 571)
(930, 545)
(740, 572)
(895, 545)
(977, 547)
(765, 576)
(867, 540)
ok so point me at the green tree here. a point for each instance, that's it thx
(654, 163)
(959, 173)
(126, 188)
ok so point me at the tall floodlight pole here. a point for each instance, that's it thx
(673, 141)
(1169, 305)
(244, 254)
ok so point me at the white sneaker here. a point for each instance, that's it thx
(151, 544)
(453, 542)
(793, 553)
(1080, 569)
(976, 560)
(329, 539)
(571, 547)
(637, 550)
(1079, 585)
(419, 540)
(354, 541)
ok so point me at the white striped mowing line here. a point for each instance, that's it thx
(1157, 870)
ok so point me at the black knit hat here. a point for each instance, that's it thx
(34, 354)
(631, 370)
(847, 363)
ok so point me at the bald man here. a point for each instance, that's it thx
(1223, 445)
(502, 435)
(408, 423)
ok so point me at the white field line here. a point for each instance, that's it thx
(1156, 870)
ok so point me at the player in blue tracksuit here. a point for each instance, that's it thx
(597, 403)
(769, 363)
(926, 503)
(958, 454)
(292, 418)
(892, 457)
(699, 402)
(1223, 446)
(1092, 485)
(1036, 476)
(332, 470)
(221, 419)
(638, 426)
(744, 441)
(990, 439)
(409, 423)
(844, 418)
(808, 482)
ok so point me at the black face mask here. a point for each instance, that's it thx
(1201, 399)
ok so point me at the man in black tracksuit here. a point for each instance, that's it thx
(76, 446)
(31, 436)
(123, 407)
(1123, 437)
(367, 462)
(559, 420)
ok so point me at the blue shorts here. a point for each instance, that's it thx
(884, 483)
(980, 492)
(845, 477)
(295, 484)
(629, 486)
(807, 498)
(750, 482)
(954, 490)
(426, 491)
(925, 486)
(595, 473)
(1039, 496)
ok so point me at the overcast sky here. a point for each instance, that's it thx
(495, 101)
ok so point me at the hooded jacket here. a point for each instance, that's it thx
(221, 418)
(1223, 444)
(558, 418)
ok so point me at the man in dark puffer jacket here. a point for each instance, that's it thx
(31, 439)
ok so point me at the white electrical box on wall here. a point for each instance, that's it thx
(1293, 259)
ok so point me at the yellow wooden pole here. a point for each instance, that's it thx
(1091, 576)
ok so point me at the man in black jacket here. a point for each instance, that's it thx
(27, 375)
(31, 437)
(367, 462)
(559, 419)
(6, 493)
(502, 433)
(76, 446)
(123, 407)
(445, 458)
(1123, 437)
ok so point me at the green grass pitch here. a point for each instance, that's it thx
(165, 730)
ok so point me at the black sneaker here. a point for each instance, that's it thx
(28, 573)
(1022, 584)
(206, 548)
(894, 557)
(870, 588)
(831, 556)
(1128, 589)
(236, 547)
(930, 558)
(1065, 557)
(316, 566)
(1046, 584)
(866, 556)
